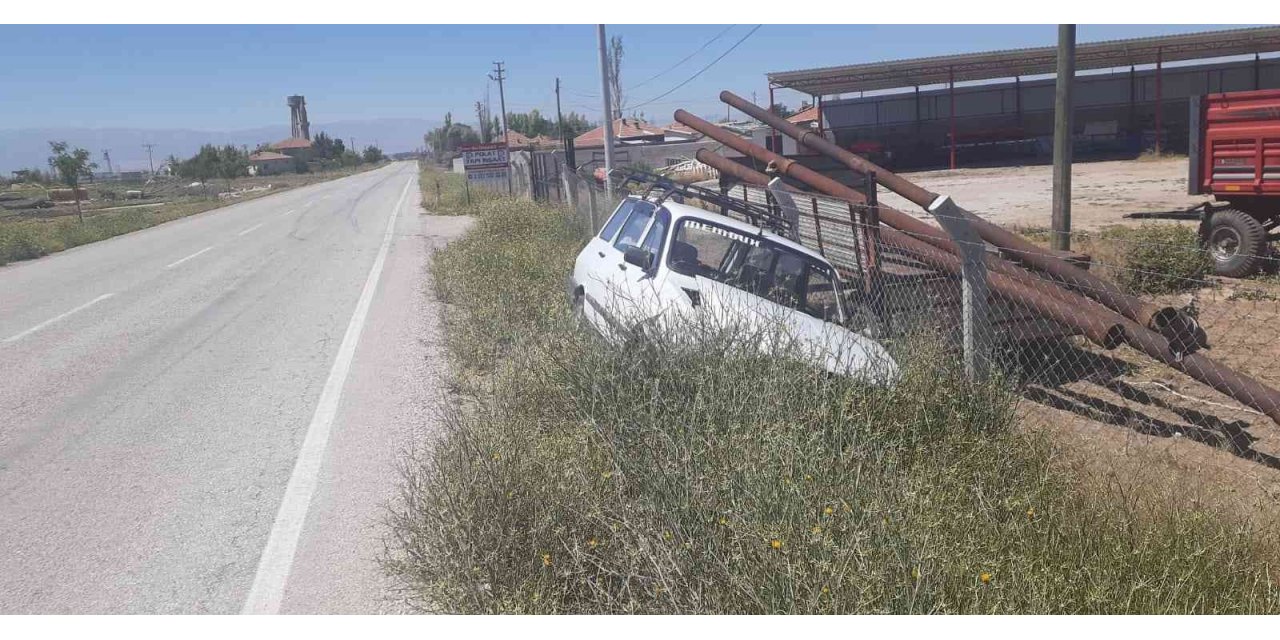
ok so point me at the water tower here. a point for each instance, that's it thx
(301, 128)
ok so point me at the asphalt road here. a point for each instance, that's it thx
(205, 416)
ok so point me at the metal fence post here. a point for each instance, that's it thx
(975, 318)
(591, 203)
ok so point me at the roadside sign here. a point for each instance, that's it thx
(487, 165)
(484, 156)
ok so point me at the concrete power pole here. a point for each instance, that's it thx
(150, 162)
(499, 75)
(608, 113)
(560, 117)
(1060, 238)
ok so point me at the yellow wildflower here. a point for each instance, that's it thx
(775, 543)
(915, 573)
(592, 543)
(666, 534)
(1031, 513)
(606, 475)
(808, 477)
(826, 511)
(985, 577)
(724, 521)
(496, 456)
(816, 529)
(546, 559)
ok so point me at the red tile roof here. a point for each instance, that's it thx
(623, 129)
(517, 139)
(292, 143)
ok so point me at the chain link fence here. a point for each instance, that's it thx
(1072, 358)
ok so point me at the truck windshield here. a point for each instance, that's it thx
(755, 265)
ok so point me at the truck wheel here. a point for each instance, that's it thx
(1237, 242)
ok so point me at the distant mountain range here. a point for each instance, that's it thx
(25, 148)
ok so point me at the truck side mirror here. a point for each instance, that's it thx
(639, 257)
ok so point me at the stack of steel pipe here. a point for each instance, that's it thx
(1091, 305)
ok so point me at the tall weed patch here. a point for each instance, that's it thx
(579, 477)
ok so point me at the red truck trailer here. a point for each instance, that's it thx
(1235, 157)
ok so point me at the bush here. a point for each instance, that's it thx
(1163, 258)
(580, 478)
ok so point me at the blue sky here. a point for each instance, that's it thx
(229, 77)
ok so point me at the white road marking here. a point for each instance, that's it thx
(250, 229)
(288, 212)
(276, 561)
(174, 264)
(54, 319)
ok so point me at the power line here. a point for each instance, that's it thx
(700, 71)
(685, 59)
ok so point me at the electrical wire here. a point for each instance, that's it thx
(686, 59)
(700, 71)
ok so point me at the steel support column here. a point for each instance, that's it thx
(1017, 98)
(773, 133)
(951, 98)
(1159, 97)
(817, 101)
(1063, 131)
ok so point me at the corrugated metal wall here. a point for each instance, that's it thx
(989, 114)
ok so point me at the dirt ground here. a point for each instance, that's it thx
(1101, 191)
(1120, 419)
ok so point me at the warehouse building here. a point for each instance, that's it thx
(997, 107)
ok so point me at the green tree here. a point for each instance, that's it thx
(326, 147)
(782, 110)
(373, 154)
(350, 159)
(530, 124)
(201, 167)
(71, 165)
(575, 125)
(614, 56)
(445, 139)
(231, 164)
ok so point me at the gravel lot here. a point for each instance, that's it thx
(1101, 191)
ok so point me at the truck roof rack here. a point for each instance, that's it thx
(659, 188)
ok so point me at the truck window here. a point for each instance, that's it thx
(611, 227)
(633, 228)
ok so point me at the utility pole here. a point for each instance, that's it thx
(498, 76)
(150, 163)
(559, 116)
(502, 104)
(106, 156)
(608, 114)
(1060, 238)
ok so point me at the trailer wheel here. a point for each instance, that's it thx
(1237, 242)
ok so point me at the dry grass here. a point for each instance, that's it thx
(582, 478)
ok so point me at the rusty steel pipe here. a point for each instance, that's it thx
(784, 166)
(1099, 324)
(1168, 321)
(894, 218)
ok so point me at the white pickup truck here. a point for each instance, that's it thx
(662, 264)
